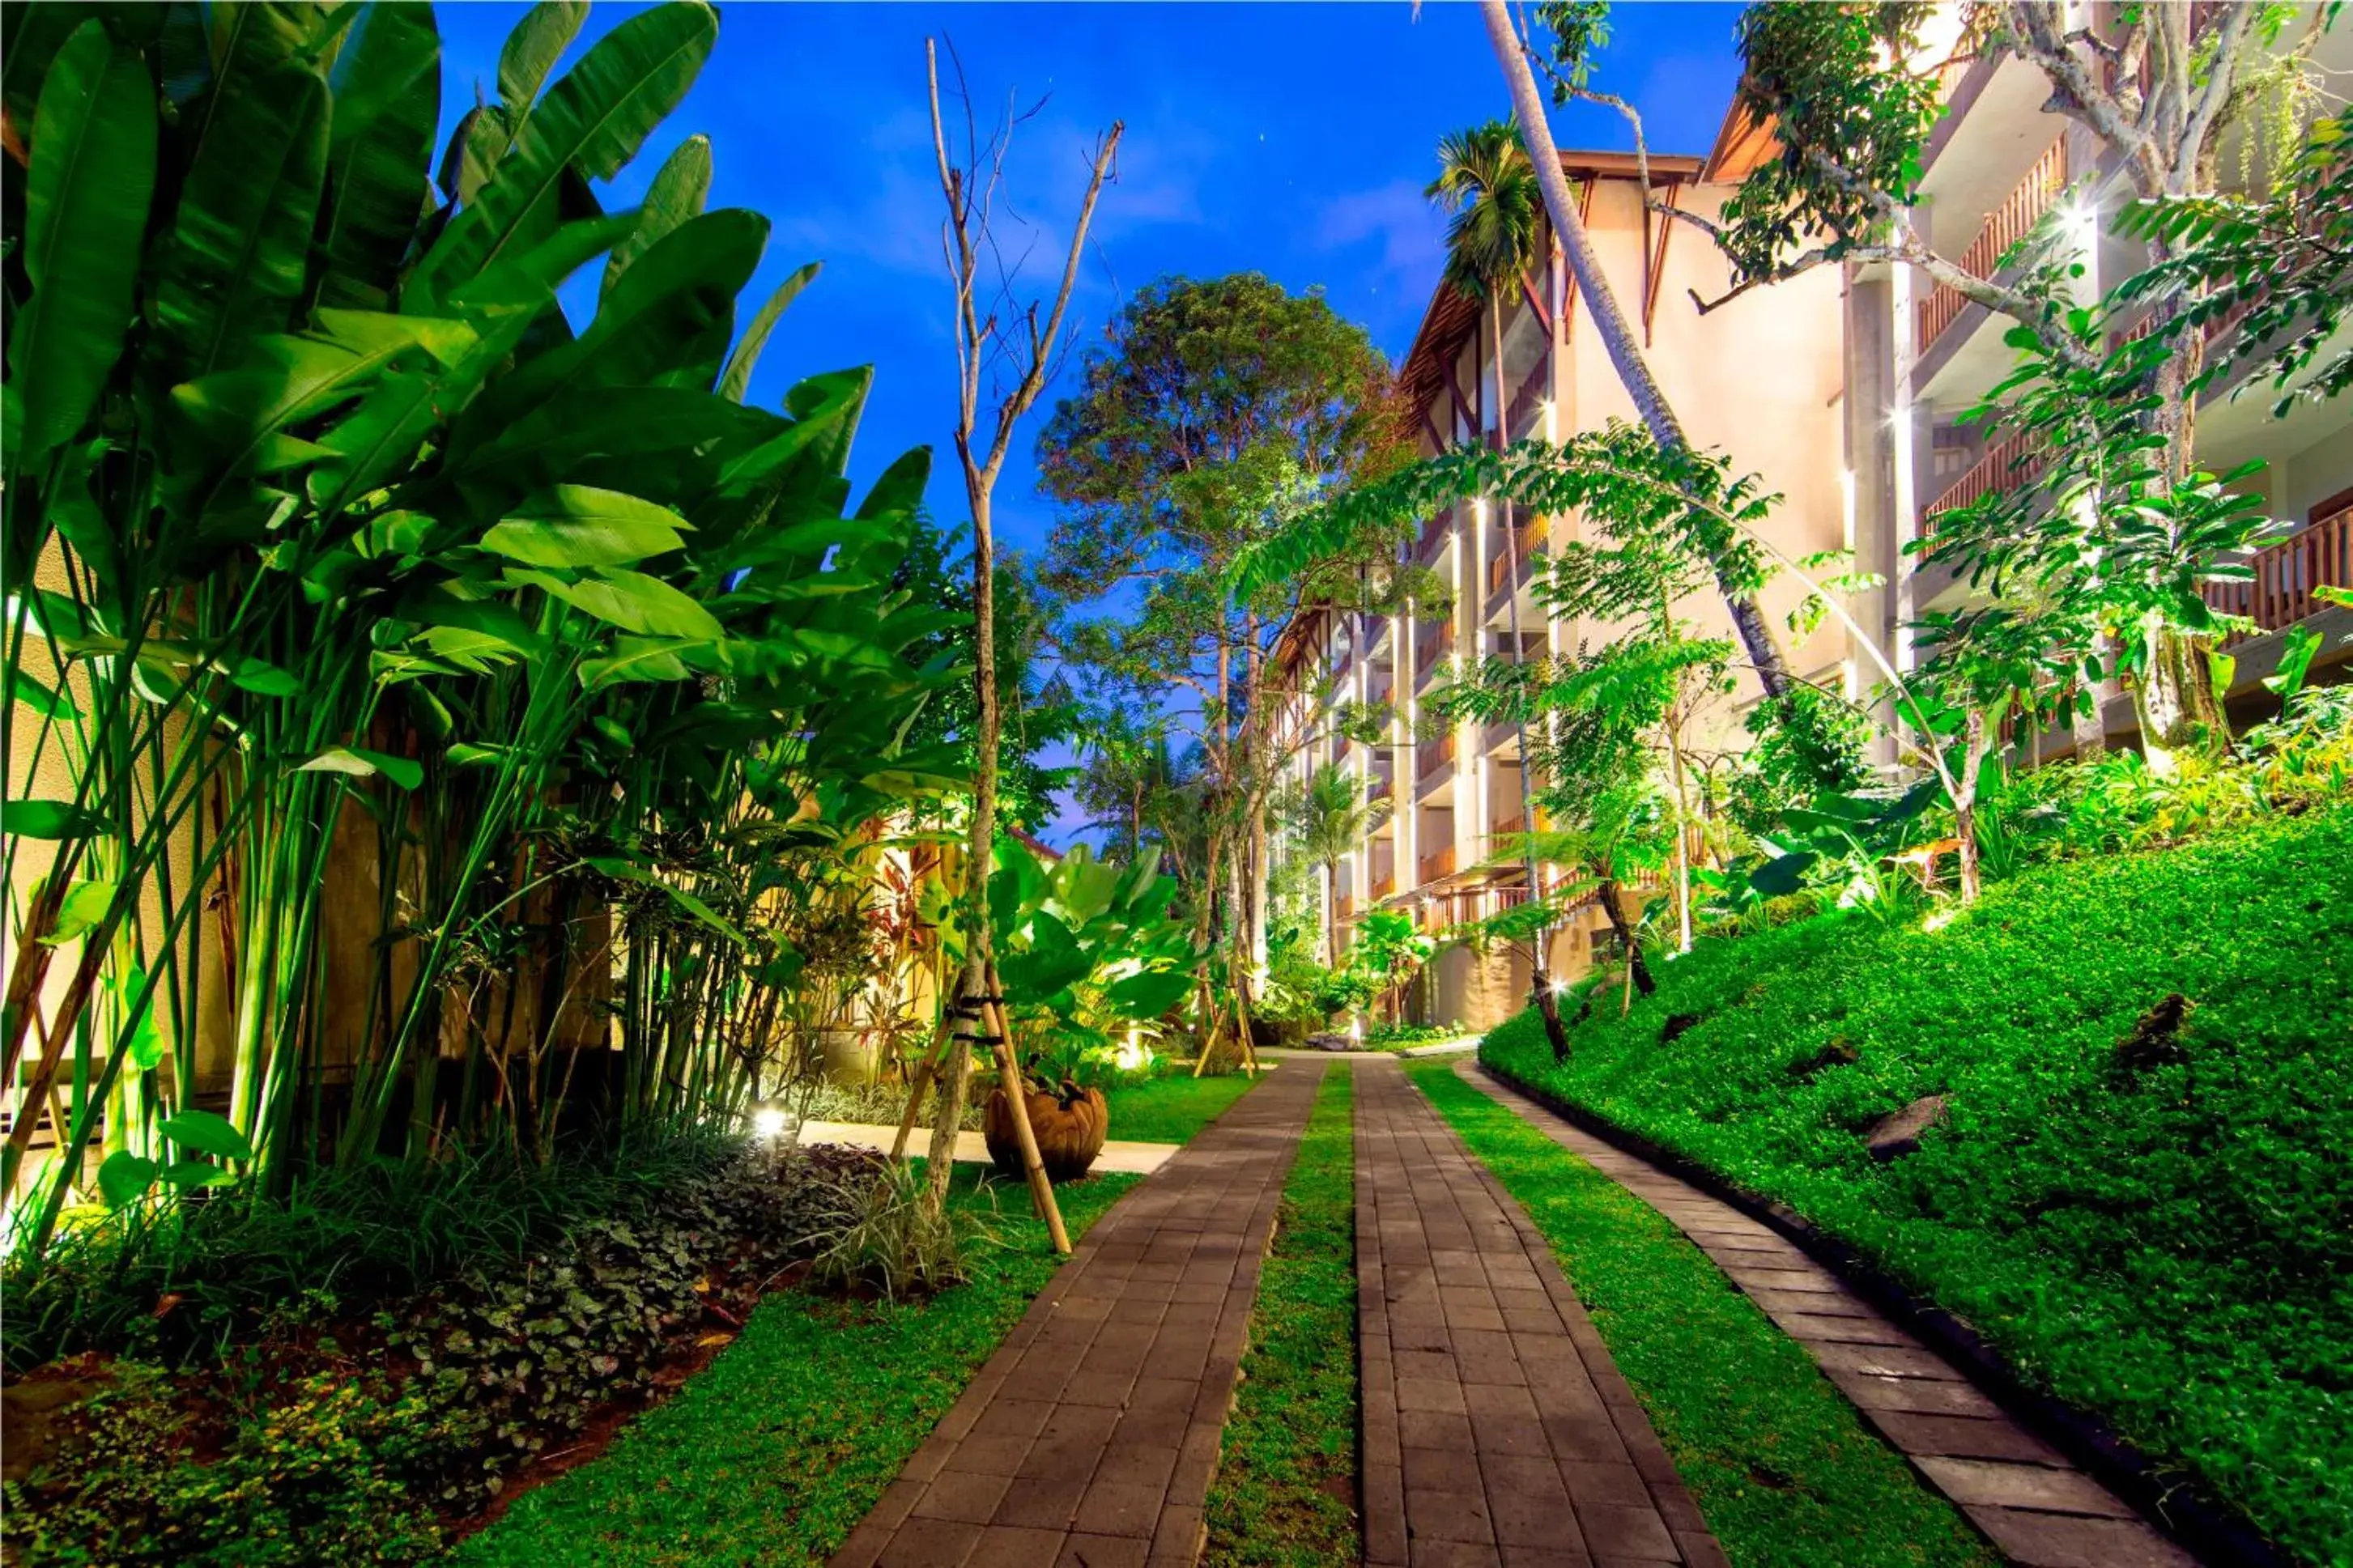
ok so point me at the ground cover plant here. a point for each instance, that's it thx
(1285, 1492)
(773, 1453)
(2141, 1200)
(1780, 1464)
(361, 1416)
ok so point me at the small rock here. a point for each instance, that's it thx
(1676, 1024)
(1839, 1053)
(1330, 1043)
(1893, 1137)
(2156, 1038)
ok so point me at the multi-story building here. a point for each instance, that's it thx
(1759, 377)
(1919, 357)
(1844, 389)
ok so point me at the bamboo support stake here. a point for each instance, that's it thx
(1017, 1095)
(926, 1070)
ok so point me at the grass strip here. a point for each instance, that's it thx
(1778, 1460)
(774, 1453)
(1171, 1109)
(1287, 1471)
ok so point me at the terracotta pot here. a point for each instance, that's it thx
(1070, 1123)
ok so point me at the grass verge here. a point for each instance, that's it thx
(774, 1453)
(2149, 1220)
(1171, 1109)
(1287, 1472)
(1778, 1460)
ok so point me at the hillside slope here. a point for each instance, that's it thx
(2170, 1243)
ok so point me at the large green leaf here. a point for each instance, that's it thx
(1149, 994)
(633, 601)
(681, 185)
(578, 526)
(240, 244)
(388, 102)
(21, 686)
(594, 120)
(352, 761)
(124, 1178)
(206, 1135)
(49, 819)
(84, 907)
(85, 197)
(736, 379)
(532, 51)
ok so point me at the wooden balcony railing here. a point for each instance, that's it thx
(2015, 461)
(1430, 650)
(2019, 211)
(1384, 886)
(1377, 788)
(1512, 823)
(1438, 864)
(2286, 574)
(1433, 753)
(1524, 538)
(1344, 908)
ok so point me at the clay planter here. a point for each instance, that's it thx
(1069, 1122)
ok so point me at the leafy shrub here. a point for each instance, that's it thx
(330, 1475)
(890, 1241)
(429, 1403)
(366, 1236)
(2167, 1243)
(1380, 1036)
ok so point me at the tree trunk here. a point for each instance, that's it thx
(1964, 802)
(1756, 639)
(1615, 912)
(1540, 964)
(2173, 698)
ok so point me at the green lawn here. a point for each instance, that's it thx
(1778, 1460)
(1171, 1109)
(2159, 1236)
(1289, 1456)
(774, 1453)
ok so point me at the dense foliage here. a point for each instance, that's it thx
(2157, 1233)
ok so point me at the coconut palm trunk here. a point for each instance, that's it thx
(1757, 639)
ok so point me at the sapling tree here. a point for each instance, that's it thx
(1006, 350)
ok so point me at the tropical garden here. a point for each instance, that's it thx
(520, 874)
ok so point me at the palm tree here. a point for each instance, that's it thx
(1494, 234)
(1329, 816)
(1608, 317)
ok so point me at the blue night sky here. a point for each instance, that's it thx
(1293, 139)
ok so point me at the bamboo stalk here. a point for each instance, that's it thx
(1017, 1095)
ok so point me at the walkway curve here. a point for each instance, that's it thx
(1497, 1431)
(2039, 1510)
(1090, 1438)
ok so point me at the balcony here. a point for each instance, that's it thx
(1438, 865)
(2286, 574)
(1524, 540)
(2015, 461)
(1509, 826)
(2019, 212)
(1377, 788)
(1384, 886)
(1431, 652)
(1432, 755)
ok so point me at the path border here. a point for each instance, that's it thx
(2174, 1508)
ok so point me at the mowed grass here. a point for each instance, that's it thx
(774, 1453)
(1778, 1460)
(1287, 1464)
(1171, 1109)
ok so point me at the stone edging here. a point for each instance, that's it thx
(2182, 1514)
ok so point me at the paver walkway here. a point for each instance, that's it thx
(1497, 1431)
(1090, 1438)
(2037, 1507)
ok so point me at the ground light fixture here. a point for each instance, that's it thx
(769, 1122)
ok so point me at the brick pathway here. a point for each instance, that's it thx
(1496, 1429)
(1090, 1438)
(2038, 1509)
